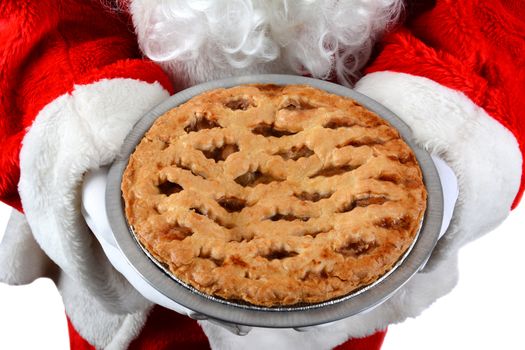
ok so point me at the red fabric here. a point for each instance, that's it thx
(473, 46)
(372, 342)
(46, 47)
(76, 342)
(166, 329)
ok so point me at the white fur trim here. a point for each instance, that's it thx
(484, 155)
(486, 158)
(21, 259)
(202, 40)
(101, 328)
(74, 133)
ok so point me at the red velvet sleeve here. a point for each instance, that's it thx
(47, 47)
(476, 47)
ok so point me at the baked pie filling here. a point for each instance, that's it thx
(274, 195)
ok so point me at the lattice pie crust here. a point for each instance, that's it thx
(274, 195)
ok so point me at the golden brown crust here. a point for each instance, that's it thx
(274, 195)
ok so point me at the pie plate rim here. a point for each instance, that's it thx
(361, 300)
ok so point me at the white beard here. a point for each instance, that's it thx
(201, 40)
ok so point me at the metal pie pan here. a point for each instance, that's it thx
(211, 307)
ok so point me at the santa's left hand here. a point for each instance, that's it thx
(461, 92)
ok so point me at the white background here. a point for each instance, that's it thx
(485, 310)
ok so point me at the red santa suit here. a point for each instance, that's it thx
(73, 82)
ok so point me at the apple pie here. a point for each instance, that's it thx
(274, 195)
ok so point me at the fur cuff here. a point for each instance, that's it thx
(74, 133)
(484, 155)
(21, 259)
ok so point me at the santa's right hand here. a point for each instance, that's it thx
(94, 212)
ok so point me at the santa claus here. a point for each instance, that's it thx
(76, 75)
